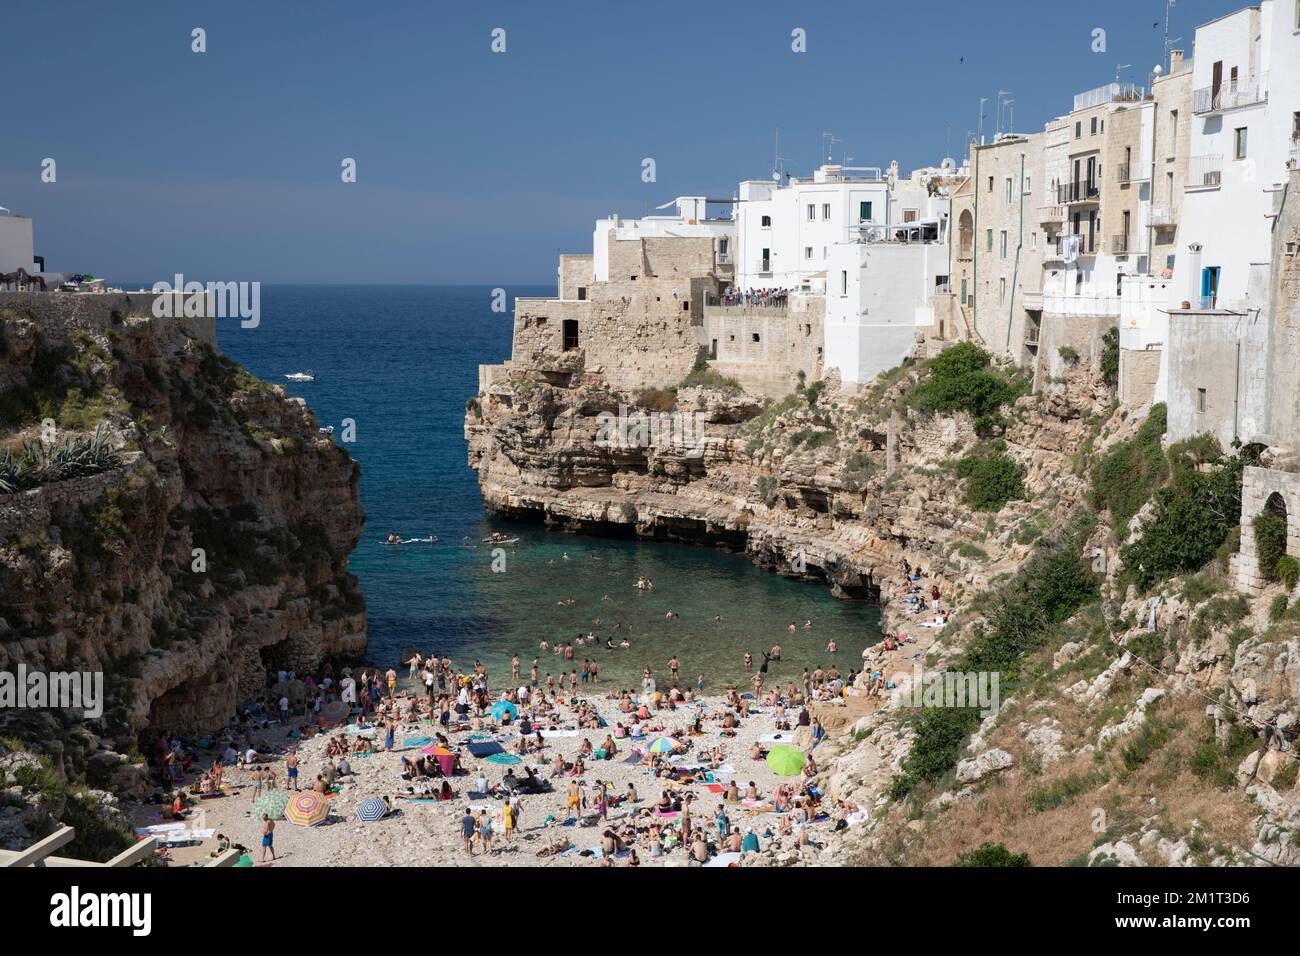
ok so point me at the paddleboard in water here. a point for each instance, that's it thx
(501, 540)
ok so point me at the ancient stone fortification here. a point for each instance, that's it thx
(215, 550)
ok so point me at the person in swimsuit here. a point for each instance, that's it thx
(268, 836)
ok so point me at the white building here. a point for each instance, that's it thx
(17, 249)
(1245, 129)
(879, 292)
(785, 232)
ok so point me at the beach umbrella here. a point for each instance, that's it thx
(272, 803)
(504, 758)
(663, 745)
(307, 809)
(725, 859)
(436, 750)
(503, 707)
(785, 761)
(334, 711)
(368, 811)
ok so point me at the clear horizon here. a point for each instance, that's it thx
(225, 165)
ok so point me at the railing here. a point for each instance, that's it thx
(943, 288)
(1205, 172)
(1231, 96)
(1110, 93)
(1163, 216)
(1054, 213)
(1294, 155)
(1123, 171)
(1119, 245)
(723, 258)
(764, 265)
(1077, 192)
(748, 300)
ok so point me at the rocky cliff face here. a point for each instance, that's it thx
(830, 489)
(213, 548)
(1118, 740)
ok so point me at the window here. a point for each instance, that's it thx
(807, 252)
(812, 212)
(844, 283)
(1028, 187)
(570, 330)
(1003, 238)
(1173, 127)
(582, 293)
(1002, 290)
(754, 336)
(864, 211)
(686, 306)
(1239, 142)
(1295, 117)
(722, 246)
(990, 184)
(1008, 189)
(767, 222)
(988, 240)
(826, 210)
(1200, 399)
(1093, 127)
(910, 215)
(1033, 240)
(1078, 128)
(767, 261)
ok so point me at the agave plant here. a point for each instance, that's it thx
(38, 464)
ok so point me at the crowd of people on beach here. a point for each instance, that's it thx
(443, 721)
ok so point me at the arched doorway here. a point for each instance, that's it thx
(1270, 527)
(965, 235)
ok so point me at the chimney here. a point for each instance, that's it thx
(1175, 61)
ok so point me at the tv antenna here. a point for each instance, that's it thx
(828, 143)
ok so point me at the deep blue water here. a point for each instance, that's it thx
(401, 361)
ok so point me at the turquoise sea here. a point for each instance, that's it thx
(401, 361)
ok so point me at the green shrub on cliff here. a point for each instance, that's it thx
(992, 479)
(961, 379)
(1194, 515)
(1130, 472)
(1270, 541)
(992, 854)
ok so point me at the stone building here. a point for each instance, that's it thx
(765, 345)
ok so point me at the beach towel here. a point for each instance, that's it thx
(417, 741)
(485, 748)
(714, 787)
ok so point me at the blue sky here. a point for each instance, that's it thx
(476, 167)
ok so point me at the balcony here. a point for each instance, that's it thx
(1164, 217)
(1205, 172)
(1122, 245)
(1230, 96)
(763, 267)
(1051, 214)
(1067, 193)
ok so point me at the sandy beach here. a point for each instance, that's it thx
(423, 833)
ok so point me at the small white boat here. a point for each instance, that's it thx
(308, 376)
(326, 430)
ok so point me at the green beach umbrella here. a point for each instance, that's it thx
(272, 803)
(785, 761)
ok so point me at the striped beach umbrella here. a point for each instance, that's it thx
(368, 811)
(785, 761)
(307, 809)
(271, 803)
(663, 745)
(334, 711)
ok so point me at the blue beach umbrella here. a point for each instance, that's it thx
(503, 707)
(368, 811)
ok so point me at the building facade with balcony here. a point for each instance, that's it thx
(1245, 98)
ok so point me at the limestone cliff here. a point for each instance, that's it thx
(1123, 736)
(207, 546)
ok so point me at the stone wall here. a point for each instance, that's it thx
(1283, 386)
(94, 313)
(765, 348)
(1079, 332)
(1257, 486)
(576, 272)
(1138, 371)
(644, 327)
